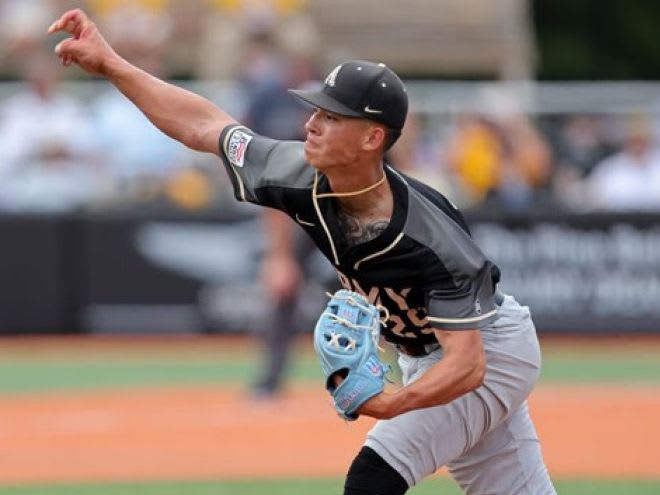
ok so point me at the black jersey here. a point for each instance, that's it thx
(424, 267)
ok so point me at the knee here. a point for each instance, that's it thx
(369, 474)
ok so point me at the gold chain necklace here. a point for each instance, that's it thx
(353, 193)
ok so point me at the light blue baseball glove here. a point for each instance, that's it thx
(346, 340)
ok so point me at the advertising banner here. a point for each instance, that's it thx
(579, 273)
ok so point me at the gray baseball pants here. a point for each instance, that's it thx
(485, 438)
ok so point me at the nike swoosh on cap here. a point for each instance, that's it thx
(371, 110)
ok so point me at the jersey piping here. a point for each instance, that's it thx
(462, 320)
(426, 243)
(320, 217)
(379, 253)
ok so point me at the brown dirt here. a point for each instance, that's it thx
(213, 433)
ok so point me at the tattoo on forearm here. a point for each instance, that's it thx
(356, 233)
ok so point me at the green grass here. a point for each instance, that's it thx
(64, 370)
(571, 368)
(30, 377)
(317, 487)
(34, 377)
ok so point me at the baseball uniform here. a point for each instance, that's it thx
(428, 273)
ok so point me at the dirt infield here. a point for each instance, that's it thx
(213, 432)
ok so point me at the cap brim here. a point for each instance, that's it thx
(321, 100)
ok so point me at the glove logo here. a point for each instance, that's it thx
(346, 401)
(349, 313)
(373, 366)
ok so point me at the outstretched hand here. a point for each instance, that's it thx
(86, 47)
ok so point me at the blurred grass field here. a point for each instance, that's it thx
(39, 368)
(320, 486)
(34, 368)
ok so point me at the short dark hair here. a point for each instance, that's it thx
(391, 137)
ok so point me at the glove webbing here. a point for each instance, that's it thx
(351, 300)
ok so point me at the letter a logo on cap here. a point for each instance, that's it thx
(330, 80)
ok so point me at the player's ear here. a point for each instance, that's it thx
(374, 138)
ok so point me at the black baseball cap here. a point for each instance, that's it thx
(359, 88)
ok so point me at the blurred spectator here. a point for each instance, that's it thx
(48, 152)
(261, 64)
(583, 141)
(579, 143)
(269, 70)
(630, 179)
(147, 166)
(270, 109)
(281, 276)
(140, 158)
(405, 154)
(499, 159)
(188, 21)
(22, 22)
(22, 27)
(229, 24)
(416, 154)
(139, 30)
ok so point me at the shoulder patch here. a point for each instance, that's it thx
(237, 146)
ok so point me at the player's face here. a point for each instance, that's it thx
(333, 140)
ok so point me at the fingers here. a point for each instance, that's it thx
(63, 47)
(72, 22)
(66, 21)
(64, 51)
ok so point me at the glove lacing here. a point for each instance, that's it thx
(372, 329)
(375, 334)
